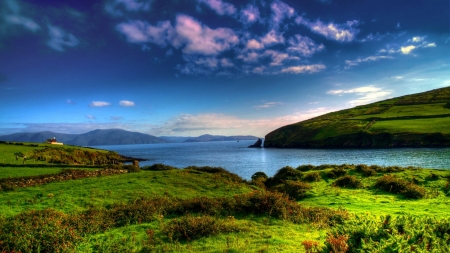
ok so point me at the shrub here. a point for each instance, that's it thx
(365, 170)
(295, 189)
(131, 168)
(189, 227)
(396, 185)
(38, 231)
(285, 173)
(335, 173)
(369, 172)
(348, 182)
(312, 177)
(337, 244)
(221, 172)
(259, 175)
(361, 167)
(306, 167)
(311, 246)
(158, 167)
(259, 178)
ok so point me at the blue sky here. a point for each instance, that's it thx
(192, 67)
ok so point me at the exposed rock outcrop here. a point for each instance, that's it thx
(258, 144)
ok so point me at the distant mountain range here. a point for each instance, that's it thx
(114, 137)
(208, 137)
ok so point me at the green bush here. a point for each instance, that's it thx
(312, 177)
(190, 227)
(367, 171)
(294, 189)
(259, 175)
(158, 167)
(348, 182)
(284, 174)
(131, 168)
(336, 172)
(221, 172)
(390, 234)
(400, 186)
(306, 167)
(38, 231)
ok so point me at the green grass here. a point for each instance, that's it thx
(437, 109)
(78, 195)
(433, 125)
(6, 172)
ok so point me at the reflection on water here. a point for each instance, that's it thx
(237, 158)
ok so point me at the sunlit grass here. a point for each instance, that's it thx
(432, 125)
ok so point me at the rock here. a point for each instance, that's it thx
(258, 144)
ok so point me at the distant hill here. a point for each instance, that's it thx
(176, 139)
(208, 137)
(418, 120)
(93, 138)
(37, 137)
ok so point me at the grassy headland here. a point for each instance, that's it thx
(418, 120)
(327, 208)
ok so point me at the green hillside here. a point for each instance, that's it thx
(418, 120)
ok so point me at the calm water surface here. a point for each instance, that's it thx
(237, 158)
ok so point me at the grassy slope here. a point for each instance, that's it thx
(413, 115)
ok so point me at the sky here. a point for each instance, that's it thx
(193, 67)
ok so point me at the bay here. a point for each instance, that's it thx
(236, 157)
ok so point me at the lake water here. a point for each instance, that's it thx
(236, 157)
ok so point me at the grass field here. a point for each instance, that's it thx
(413, 125)
(263, 232)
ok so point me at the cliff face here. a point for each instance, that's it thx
(418, 120)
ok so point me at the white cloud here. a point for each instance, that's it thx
(250, 14)
(23, 21)
(272, 38)
(200, 39)
(90, 117)
(70, 102)
(417, 39)
(278, 57)
(280, 11)
(220, 7)
(137, 31)
(259, 70)
(226, 63)
(114, 7)
(200, 65)
(430, 45)
(267, 105)
(351, 63)
(303, 45)
(339, 32)
(407, 49)
(126, 103)
(60, 39)
(366, 94)
(99, 104)
(116, 118)
(304, 69)
(254, 44)
(249, 57)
